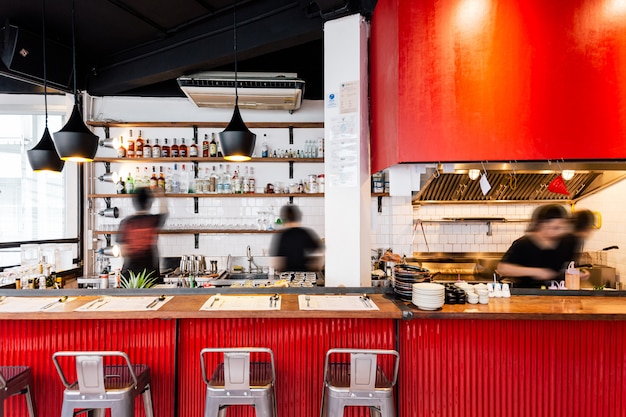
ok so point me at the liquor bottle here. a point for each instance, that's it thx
(147, 149)
(182, 149)
(139, 146)
(213, 146)
(237, 184)
(320, 148)
(121, 151)
(193, 149)
(165, 150)
(174, 149)
(220, 180)
(265, 150)
(154, 181)
(138, 183)
(161, 180)
(213, 180)
(130, 184)
(145, 179)
(245, 187)
(201, 181)
(226, 180)
(176, 179)
(168, 180)
(156, 149)
(252, 181)
(184, 180)
(120, 186)
(130, 149)
(205, 146)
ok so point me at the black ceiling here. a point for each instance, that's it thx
(140, 47)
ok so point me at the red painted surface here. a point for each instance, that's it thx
(32, 343)
(512, 368)
(299, 348)
(479, 80)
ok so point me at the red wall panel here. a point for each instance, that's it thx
(482, 80)
(299, 347)
(512, 368)
(32, 343)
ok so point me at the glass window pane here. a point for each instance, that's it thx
(33, 205)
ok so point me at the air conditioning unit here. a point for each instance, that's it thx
(273, 91)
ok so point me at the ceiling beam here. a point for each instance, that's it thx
(210, 45)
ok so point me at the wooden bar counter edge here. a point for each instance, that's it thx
(187, 305)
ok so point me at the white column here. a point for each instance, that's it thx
(347, 159)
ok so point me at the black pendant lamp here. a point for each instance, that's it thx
(236, 140)
(75, 142)
(44, 157)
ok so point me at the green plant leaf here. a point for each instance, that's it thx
(142, 279)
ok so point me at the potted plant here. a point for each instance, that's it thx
(142, 279)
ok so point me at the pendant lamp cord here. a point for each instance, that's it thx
(45, 77)
(74, 48)
(235, 47)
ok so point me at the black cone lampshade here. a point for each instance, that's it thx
(236, 140)
(44, 157)
(75, 142)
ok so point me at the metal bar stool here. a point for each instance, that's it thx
(360, 382)
(16, 380)
(236, 380)
(99, 386)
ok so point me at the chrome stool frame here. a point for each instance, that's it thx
(100, 386)
(236, 380)
(361, 382)
(15, 380)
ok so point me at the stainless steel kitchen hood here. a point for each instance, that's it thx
(515, 183)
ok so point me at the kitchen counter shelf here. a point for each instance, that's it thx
(255, 195)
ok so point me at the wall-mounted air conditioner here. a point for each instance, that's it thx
(274, 91)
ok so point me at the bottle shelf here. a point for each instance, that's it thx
(255, 195)
(195, 231)
(214, 160)
(221, 125)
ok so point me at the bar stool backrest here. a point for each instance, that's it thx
(236, 370)
(90, 369)
(90, 374)
(363, 371)
(3, 382)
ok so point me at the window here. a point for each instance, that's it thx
(35, 207)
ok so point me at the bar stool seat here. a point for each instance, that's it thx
(359, 382)
(99, 386)
(236, 380)
(16, 380)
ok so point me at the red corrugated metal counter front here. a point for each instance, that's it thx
(526, 356)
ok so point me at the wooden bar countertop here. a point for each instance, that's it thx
(518, 307)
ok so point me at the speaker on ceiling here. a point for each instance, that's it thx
(22, 54)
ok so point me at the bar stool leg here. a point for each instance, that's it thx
(67, 410)
(212, 409)
(263, 407)
(98, 412)
(375, 411)
(335, 408)
(387, 408)
(124, 408)
(147, 402)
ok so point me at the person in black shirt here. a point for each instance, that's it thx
(295, 247)
(138, 234)
(543, 252)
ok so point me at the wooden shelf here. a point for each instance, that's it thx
(215, 160)
(255, 195)
(221, 125)
(195, 231)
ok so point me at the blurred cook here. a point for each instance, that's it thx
(544, 251)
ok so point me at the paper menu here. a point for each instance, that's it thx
(118, 303)
(336, 303)
(32, 304)
(242, 302)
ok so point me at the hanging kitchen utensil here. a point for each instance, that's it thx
(558, 186)
(484, 183)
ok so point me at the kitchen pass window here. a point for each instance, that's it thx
(36, 207)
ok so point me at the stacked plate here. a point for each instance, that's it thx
(404, 276)
(428, 295)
